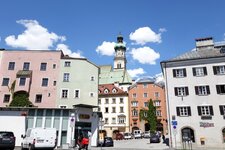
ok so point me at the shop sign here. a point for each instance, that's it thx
(206, 124)
(84, 116)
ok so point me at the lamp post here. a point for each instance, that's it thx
(72, 125)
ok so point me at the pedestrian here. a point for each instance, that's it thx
(163, 138)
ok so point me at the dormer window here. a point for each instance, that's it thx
(106, 91)
(114, 91)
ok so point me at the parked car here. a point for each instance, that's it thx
(146, 134)
(137, 134)
(36, 138)
(154, 138)
(119, 136)
(127, 135)
(7, 140)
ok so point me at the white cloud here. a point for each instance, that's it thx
(145, 55)
(35, 36)
(162, 30)
(67, 51)
(159, 78)
(106, 48)
(136, 72)
(144, 35)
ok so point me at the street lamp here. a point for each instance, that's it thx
(72, 125)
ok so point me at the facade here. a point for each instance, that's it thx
(54, 83)
(21, 73)
(195, 88)
(113, 103)
(140, 94)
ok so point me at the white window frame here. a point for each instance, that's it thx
(135, 112)
(179, 73)
(146, 104)
(145, 95)
(183, 111)
(114, 90)
(134, 95)
(61, 94)
(92, 78)
(75, 94)
(158, 113)
(199, 71)
(66, 77)
(113, 120)
(121, 120)
(202, 90)
(157, 103)
(181, 91)
(205, 111)
(67, 64)
(134, 104)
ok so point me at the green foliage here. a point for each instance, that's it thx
(151, 116)
(20, 100)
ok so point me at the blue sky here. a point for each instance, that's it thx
(153, 30)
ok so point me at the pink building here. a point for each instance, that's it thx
(32, 72)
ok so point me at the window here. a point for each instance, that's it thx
(54, 83)
(76, 93)
(118, 65)
(99, 101)
(106, 120)
(179, 73)
(113, 101)
(121, 120)
(145, 95)
(121, 110)
(54, 66)
(145, 114)
(156, 95)
(134, 113)
(113, 120)
(11, 66)
(202, 90)
(106, 91)
(106, 101)
(66, 77)
(22, 81)
(134, 104)
(64, 94)
(67, 64)
(199, 71)
(134, 95)
(6, 98)
(222, 109)
(106, 110)
(218, 70)
(62, 106)
(92, 78)
(146, 104)
(5, 82)
(26, 66)
(44, 81)
(38, 98)
(157, 103)
(121, 100)
(181, 91)
(91, 94)
(43, 66)
(99, 109)
(113, 109)
(158, 113)
(220, 89)
(114, 90)
(145, 85)
(205, 110)
(184, 111)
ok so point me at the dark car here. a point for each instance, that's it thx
(7, 140)
(119, 136)
(108, 141)
(154, 138)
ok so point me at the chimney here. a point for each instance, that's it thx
(204, 43)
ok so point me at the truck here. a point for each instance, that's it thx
(39, 138)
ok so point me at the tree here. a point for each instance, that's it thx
(20, 99)
(150, 116)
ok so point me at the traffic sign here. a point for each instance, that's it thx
(174, 122)
(174, 127)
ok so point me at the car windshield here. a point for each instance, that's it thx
(6, 134)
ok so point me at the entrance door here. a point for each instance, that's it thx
(187, 135)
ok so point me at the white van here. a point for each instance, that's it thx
(39, 138)
(137, 134)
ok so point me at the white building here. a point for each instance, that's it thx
(195, 93)
(113, 103)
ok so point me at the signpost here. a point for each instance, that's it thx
(174, 124)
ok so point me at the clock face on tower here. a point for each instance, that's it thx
(119, 53)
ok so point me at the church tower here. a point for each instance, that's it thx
(120, 54)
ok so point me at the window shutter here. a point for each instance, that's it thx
(208, 90)
(205, 70)
(189, 111)
(194, 71)
(186, 91)
(214, 70)
(175, 91)
(221, 110)
(199, 110)
(218, 89)
(178, 111)
(185, 73)
(174, 72)
(196, 90)
(211, 110)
